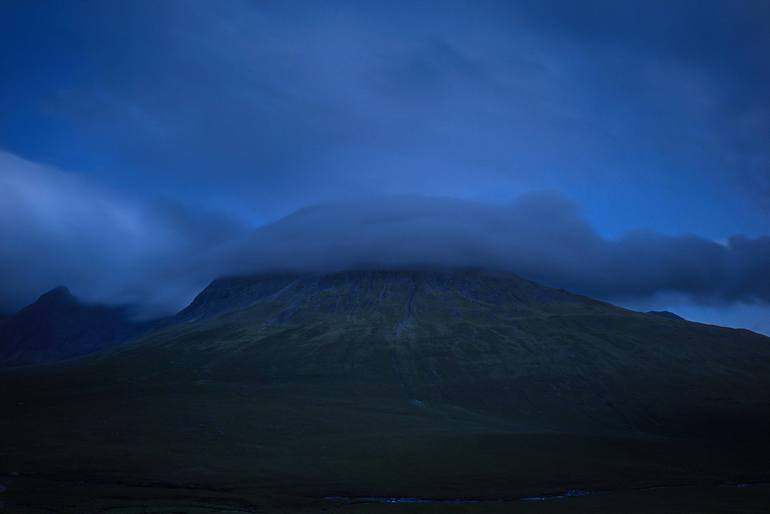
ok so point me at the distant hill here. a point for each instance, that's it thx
(665, 314)
(58, 326)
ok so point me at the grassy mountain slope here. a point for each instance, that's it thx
(456, 384)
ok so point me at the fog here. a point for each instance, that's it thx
(57, 228)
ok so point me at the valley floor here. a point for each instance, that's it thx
(218, 448)
(37, 495)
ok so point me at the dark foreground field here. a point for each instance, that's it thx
(445, 387)
(40, 496)
(210, 447)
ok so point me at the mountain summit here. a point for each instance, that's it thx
(367, 292)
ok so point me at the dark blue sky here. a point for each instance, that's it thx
(224, 116)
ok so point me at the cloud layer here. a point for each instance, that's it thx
(541, 236)
(58, 229)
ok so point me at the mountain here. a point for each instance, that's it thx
(665, 314)
(233, 293)
(279, 390)
(58, 326)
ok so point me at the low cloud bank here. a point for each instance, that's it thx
(57, 229)
(541, 236)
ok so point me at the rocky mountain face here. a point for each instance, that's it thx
(58, 326)
(233, 293)
(365, 291)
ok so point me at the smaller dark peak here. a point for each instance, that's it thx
(665, 314)
(57, 298)
(57, 293)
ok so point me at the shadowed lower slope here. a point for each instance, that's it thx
(453, 384)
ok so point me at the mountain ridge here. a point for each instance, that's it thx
(221, 296)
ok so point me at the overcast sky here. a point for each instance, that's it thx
(621, 149)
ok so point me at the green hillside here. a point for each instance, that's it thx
(405, 384)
